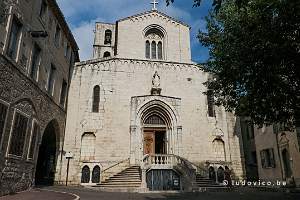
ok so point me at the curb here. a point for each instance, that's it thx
(75, 195)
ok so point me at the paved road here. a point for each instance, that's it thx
(86, 194)
(37, 194)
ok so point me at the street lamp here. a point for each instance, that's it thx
(68, 156)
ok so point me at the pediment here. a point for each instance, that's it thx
(154, 14)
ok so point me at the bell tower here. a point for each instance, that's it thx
(104, 42)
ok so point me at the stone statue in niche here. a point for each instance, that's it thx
(156, 90)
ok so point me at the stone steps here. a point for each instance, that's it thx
(128, 179)
(206, 184)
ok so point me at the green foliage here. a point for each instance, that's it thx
(255, 58)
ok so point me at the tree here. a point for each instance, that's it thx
(255, 58)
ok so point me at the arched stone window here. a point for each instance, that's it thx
(153, 50)
(85, 174)
(96, 174)
(219, 149)
(106, 54)
(147, 49)
(96, 99)
(159, 50)
(107, 38)
(154, 40)
(88, 146)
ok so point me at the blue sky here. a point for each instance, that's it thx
(82, 15)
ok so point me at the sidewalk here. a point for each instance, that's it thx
(41, 194)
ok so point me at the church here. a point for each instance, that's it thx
(140, 116)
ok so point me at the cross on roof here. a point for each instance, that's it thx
(154, 4)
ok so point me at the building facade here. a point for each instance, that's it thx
(37, 55)
(140, 102)
(278, 155)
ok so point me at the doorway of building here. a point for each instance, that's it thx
(154, 141)
(286, 163)
(46, 163)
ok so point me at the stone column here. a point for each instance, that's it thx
(133, 145)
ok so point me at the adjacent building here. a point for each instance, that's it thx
(37, 55)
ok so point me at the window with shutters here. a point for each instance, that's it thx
(267, 158)
(18, 134)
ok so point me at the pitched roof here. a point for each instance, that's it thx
(158, 12)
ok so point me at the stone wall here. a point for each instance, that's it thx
(19, 92)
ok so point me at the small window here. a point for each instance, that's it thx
(43, 10)
(35, 58)
(96, 99)
(210, 103)
(67, 50)
(3, 114)
(159, 50)
(96, 174)
(63, 93)
(85, 174)
(18, 134)
(51, 79)
(267, 158)
(153, 50)
(34, 136)
(106, 54)
(108, 35)
(147, 49)
(14, 38)
(57, 36)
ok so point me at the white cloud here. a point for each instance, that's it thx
(84, 36)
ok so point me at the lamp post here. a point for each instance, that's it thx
(68, 156)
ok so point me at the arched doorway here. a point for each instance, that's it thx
(220, 174)
(286, 163)
(46, 163)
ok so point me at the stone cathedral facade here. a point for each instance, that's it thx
(141, 102)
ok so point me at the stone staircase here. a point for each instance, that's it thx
(206, 184)
(128, 179)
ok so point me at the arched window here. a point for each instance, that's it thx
(147, 49)
(85, 174)
(96, 174)
(107, 39)
(220, 174)
(87, 151)
(219, 149)
(159, 50)
(153, 50)
(96, 99)
(154, 120)
(106, 54)
(154, 40)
